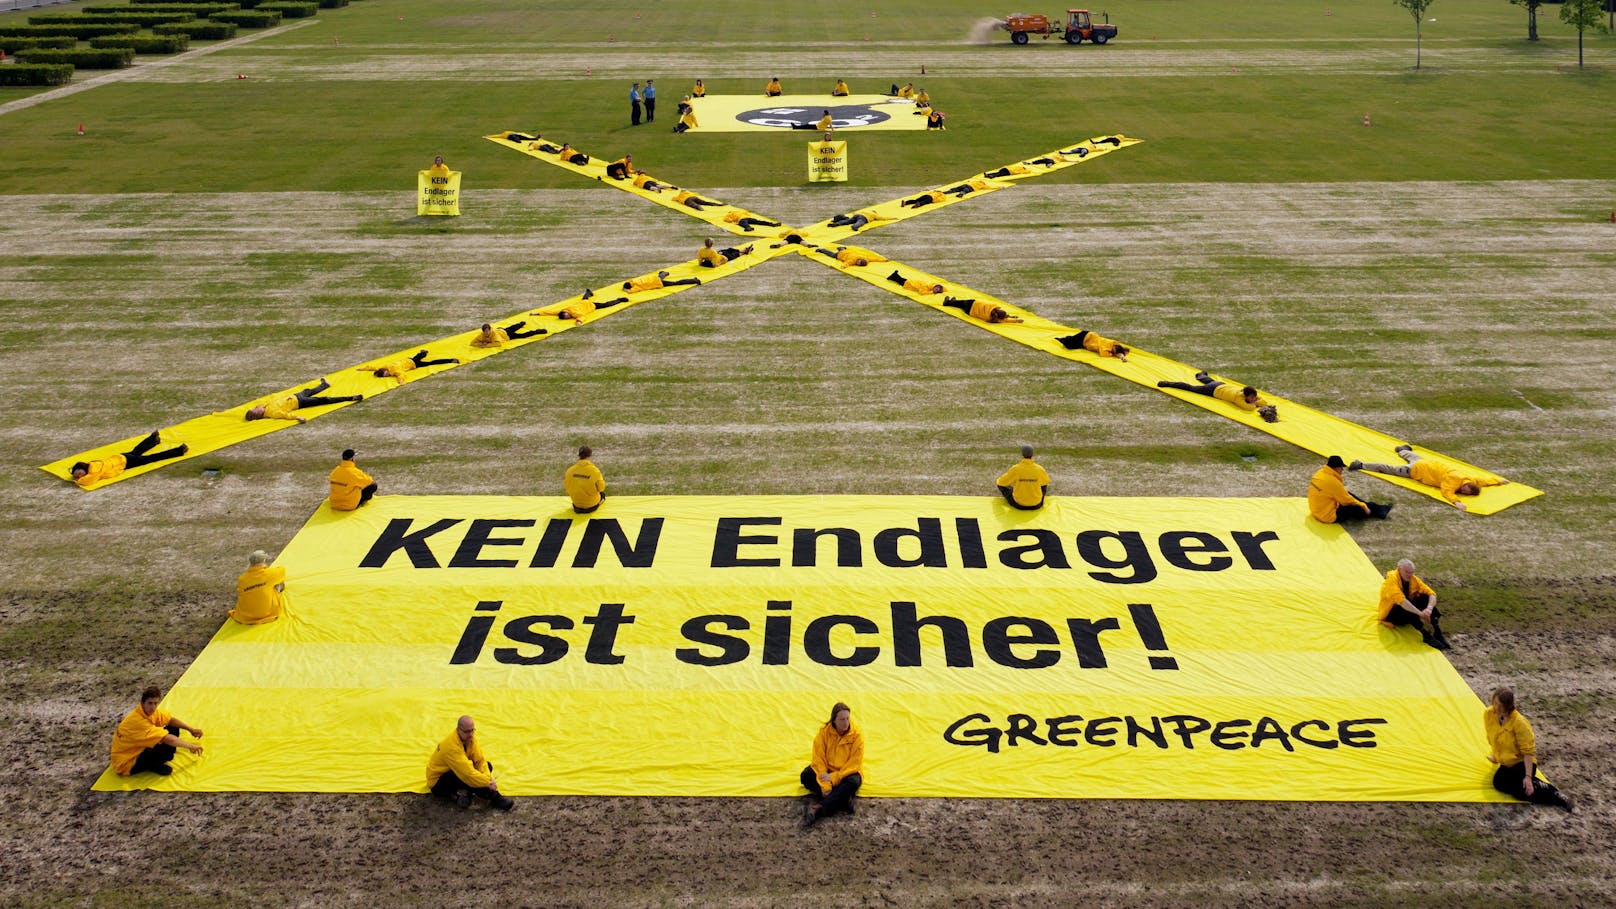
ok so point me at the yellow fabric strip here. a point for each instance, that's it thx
(892, 211)
(757, 113)
(1298, 424)
(211, 432)
(694, 645)
(595, 169)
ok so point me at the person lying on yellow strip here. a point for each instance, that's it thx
(1245, 398)
(851, 255)
(89, 473)
(1094, 343)
(283, 408)
(397, 368)
(655, 282)
(914, 285)
(712, 258)
(577, 309)
(991, 313)
(1450, 482)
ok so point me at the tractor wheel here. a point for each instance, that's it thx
(1074, 37)
(1099, 38)
(1018, 37)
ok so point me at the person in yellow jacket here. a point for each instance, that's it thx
(1513, 747)
(148, 738)
(839, 90)
(922, 98)
(687, 119)
(1329, 502)
(699, 90)
(585, 485)
(773, 89)
(914, 285)
(438, 168)
(858, 220)
(284, 407)
(1448, 480)
(745, 220)
(906, 92)
(836, 771)
(89, 473)
(1405, 599)
(924, 199)
(350, 486)
(458, 771)
(935, 118)
(992, 313)
(825, 124)
(418, 360)
(711, 257)
(1244, 397)
(1025, 484)
(258, 591)
(656, 282)
(644, 181)
(577, 307)
(852, 255)
(490, 336)
(1095, 344)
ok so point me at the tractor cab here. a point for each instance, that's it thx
(1077, 20)
(1080, 27)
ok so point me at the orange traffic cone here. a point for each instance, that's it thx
(923, 69)
(1613, 217)
(1365, 119)
(81, 129)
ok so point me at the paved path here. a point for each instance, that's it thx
(120, 74)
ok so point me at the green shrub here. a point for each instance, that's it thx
(289, 9)
(145, 44)
(84, 32)
(248, 19)
(199, 30)
(138, 17)
(182, 3)
(332, 4)
(36, 73)
(91, 58)
(196, 9)
(12, 45)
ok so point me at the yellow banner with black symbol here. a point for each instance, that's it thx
(1097, 648)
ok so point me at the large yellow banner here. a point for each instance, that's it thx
(436, 194)
(1098, 648)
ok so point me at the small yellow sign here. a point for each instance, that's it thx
(437, 194)
(827, 162)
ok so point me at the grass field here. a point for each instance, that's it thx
(1447, 274)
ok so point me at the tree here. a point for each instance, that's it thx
(1531, 16)
(1581, 15)
(1417, 9)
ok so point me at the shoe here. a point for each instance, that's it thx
(1202, 376)
(747, 251)
(809, 816)
(1429, 639)
(1402, 448)
(1161, 384)
(1381, 509)
(462, 798)
(185, 447)
(850, 811)
(947, 300)
(1355, 465)
(163, 770)
(503, 803)
(1560, 801)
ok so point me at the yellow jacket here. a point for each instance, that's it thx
(773, 88)
(836, 754)
(826, 122)
(1445, 478)
(1512, 740)
(915, 285)
(282, 408)
(1096, 344)
(1231, 394)
(495, 338)
(922, 97)
(688, 118)
(438, 171)
(584, 484)
(638, 285)
(852, 254)
(103, 469)
(1026, 481)
(698, 91)
(257, 600)
(135, 733)
(983, 309)
(711, 258)
(1391, 592)
(347, 481)
(840, 88)
(1326, 493)
(466, 762)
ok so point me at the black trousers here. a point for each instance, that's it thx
(448, 784)
(366, 493)
(1510, 779)
(1009, 496)
(142, 454)
(157, 756)
(650, 109)
(839, 798)
(1353, 512)
(1401, 616)
(310, 397)
(1204, 389)
(634, 113)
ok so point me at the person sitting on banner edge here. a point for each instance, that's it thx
(1513, 747)
(1405, 599)
(1025, 484)
(258, 591)
(350, 486)
(148, 737)
(836, 770)
(458, 771)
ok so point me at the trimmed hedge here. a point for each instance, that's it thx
(93, 58)
(12, 45)
(200, 30)
(144, 3)
(332, 4)
(141, 18)
(36, 73)
(196, 9)
(84, 32)
(145, 44)
(289, 9)
(249, 18)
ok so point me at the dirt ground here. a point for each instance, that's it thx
(102, 593)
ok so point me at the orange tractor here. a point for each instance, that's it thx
(1079, 26)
